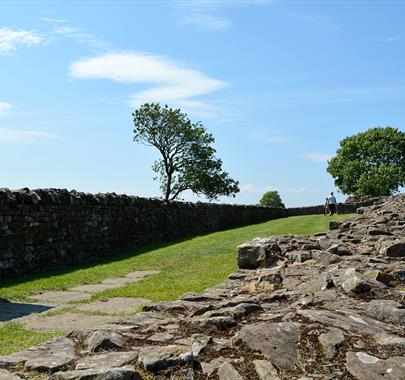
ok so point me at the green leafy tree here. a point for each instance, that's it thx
(370, 163)
(188, 159)
(271, 199)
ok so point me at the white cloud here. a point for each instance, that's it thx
(207, 21)
(11, 39)
(392, 39)
(269, 136)
(80, 35)
(23, 136)
(318, 157)
(54, 20)
(206, 14)
(172, 82)
(4, 107)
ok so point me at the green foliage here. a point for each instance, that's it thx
(271, 199)
(370, 163)
(14, 337)
(187, 160)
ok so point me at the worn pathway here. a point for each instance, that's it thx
(34, 315)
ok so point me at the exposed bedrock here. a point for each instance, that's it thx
(324, 307)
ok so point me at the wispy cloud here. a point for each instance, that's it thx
(208, 14)
(54, 20)
(318, 24)
(392, 39)
(318, 157)
(80, 35)
(11, 39)
(268, 136)
(10, 135)
(171, 82)
(4, 107)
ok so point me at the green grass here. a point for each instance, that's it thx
(187, 265)
(14, 337)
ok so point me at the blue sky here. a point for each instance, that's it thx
(278, 83)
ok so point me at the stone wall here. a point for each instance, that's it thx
(51, 228)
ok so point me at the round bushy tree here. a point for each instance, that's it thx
(188, 160)
(271, 199)
(370, 163)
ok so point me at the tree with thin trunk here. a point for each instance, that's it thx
(188, 159)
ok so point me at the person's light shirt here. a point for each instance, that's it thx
(332, 200)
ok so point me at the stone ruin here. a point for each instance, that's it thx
(323, 307)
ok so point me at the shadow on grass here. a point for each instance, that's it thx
(13, 310)
(128, 253)
(131, 252)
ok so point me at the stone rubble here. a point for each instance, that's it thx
(324, 307)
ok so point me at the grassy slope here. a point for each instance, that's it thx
(190, 265)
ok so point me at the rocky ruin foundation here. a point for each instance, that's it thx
(322, 307)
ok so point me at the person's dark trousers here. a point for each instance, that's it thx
(332, 209)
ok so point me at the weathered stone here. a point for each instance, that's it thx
(272, 278)
(228, 372)
(104, 340)
(299, 256)
(156, 358)
(68, 322)
(257, 253)
(209, 368)
(389, 340)
(383, 277)
(51, 363)
(368, 367)
(200, 342)
(387, 310)
(179, 306)
(331, 341)
(101, 373)
(356, 284)
(391, 248)
(347, 320)
(109, 359)
(115, 305)
(48, 356)
(160, 337)
(265, 370)
(219, 323)
(277, 341)
(60, 297)
(6, 375)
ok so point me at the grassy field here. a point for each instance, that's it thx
(188, 265)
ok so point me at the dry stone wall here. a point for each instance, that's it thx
(51, 228)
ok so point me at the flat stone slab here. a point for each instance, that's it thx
(60, 297)
(14, 310)
(69, 321)
(117, 305)
(367, 367)
(94, 288)
(277, 341)
(109, 359)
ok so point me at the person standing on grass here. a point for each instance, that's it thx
(332, 204)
